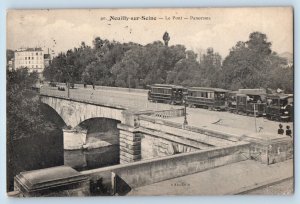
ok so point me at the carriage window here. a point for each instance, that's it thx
(275, 102)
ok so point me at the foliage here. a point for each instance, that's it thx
(9, 55)
(250, 64)
(24, 118)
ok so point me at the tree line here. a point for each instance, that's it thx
(249, 64)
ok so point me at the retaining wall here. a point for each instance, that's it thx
(155, 170)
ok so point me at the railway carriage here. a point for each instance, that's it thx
(211, 98)
(280, 107)
(167, 93)
(250, 100)
(231, 101)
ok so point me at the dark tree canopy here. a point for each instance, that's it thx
(250, 64)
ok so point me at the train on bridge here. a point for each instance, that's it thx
(255, 102)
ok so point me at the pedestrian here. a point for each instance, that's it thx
(93, 86)
(288, 132)
(280, 130)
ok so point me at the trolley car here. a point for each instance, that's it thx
(251, 102)
(280, 107)
(211, 98)
(231, 101)
(167, 93)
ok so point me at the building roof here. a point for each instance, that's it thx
(29, 49)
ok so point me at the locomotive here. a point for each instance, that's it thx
(248, 101)
(280, 107)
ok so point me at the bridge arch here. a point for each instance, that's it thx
(74, 112)
(101, 131)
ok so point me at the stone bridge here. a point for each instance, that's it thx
(152, 149)
(134, 145)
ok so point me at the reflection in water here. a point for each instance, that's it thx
(93, 158)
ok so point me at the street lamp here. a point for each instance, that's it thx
(185, 122)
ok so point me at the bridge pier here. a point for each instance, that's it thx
(130, 144)
(74, 138)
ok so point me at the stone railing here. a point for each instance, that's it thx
(78, 98)
(110, 88)
(201, 130)
(171, 113)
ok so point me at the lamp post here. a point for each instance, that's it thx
(255, 116)
(68, 87)
(185, 122)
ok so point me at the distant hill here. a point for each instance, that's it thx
(288, 56)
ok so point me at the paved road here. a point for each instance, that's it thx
(131, 100)
(225, 180)
(285, 187)
(196, 116)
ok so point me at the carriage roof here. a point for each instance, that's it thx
(279, 96)
(208, 89)
(252, 91)
(166, 86)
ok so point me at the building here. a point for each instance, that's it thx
(32, 58)
(47, 60)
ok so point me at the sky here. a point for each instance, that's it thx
(197, 29)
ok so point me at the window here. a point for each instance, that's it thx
(32, 57)
(36, 53)
(26, 58)
(36, 66)
(29, 58)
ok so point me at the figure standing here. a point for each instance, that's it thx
(280, 130)
(288, 132)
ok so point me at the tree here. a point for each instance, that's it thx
(250, 63)
(186, 71)
(23, 116)
(9, 55)
(23, 112)
(211, 66)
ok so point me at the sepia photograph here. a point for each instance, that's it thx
(150, 102)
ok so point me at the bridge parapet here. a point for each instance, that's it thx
(265, 147)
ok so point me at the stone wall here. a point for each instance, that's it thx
(271, 152)
(155, 170)
(153, 147)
